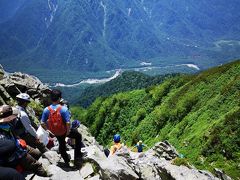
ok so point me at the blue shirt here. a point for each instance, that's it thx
(140, 147)
(64, 113)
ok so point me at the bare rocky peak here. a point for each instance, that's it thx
(12, 84)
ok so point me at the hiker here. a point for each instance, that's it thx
(25, 128)
(139, 146)
(117, 145)
(14, 152)
(56, 118)
(74, 125)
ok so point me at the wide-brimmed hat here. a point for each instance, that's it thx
(8, 113)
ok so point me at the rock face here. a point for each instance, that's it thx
(12, 84)
(165, 150)
(152, 164)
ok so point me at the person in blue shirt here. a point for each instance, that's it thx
(56, 96)
(140, 146)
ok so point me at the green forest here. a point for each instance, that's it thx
(128, 80)
(199, 114)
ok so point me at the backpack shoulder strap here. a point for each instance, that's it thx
(59, 109)
(50, 109)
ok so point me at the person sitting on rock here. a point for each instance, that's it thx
(117, 145)
(25, 127)
(13, 151)
(56, 118)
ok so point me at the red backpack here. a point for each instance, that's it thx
(55, 122)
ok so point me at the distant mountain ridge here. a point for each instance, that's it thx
(101, 35)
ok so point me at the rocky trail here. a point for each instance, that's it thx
(154, 164)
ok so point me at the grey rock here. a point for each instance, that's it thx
(35, 177)
(58, 173)
(2, 72)
(52, 157)
(87, 138)
(4, 94)
(207, 173)
(221, 175)
(12, 89)
(151, 166)
(148, 172)
(19, 82)
(165, 150)
(87, 170)
(2, 101)
(45, 162)
(180, 172)
(97, 177)
(114, 167)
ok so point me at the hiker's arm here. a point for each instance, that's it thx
(66, 117)
(44, 126)
(44, 119)
(27, 125)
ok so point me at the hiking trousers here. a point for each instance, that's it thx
(35, 153)
(62, 145)
(29, 163)
(7, 173)
(78, 143)
(31, 141)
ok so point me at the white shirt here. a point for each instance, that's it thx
(26, 122)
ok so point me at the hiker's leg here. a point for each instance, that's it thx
(62, 148)
(35, 153)
(42, 148)
(31, 164)
(78, 139)
(10, 173)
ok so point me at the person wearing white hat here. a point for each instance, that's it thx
(25, 128)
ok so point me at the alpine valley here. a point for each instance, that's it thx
(183, 103)
(82, 38)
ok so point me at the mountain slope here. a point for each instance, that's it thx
(199, 114)
(102, 35)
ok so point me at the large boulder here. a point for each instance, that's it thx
(18, 82)
(87, 138)
(159, 168)
(4, 96)
(221, 174)
(165, 150)
(2, 72)
(114, 167)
